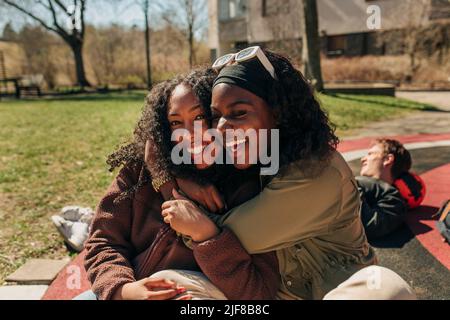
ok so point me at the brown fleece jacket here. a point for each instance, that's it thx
(129, 241)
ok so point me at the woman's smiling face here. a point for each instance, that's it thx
(235, 108)
(185, 109)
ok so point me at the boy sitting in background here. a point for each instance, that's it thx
(383, 206)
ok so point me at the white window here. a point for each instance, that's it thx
(224, 9)
(241, 6)
(230, 9)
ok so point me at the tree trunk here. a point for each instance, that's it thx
(147, 50)
(77, 49)
(191, 47)
(311, 44)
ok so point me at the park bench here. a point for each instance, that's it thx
(25, 85)
(30, 85)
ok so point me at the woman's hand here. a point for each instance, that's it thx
(150, 289)
(207, 196)
(187, 218)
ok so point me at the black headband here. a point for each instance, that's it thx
(249, 75)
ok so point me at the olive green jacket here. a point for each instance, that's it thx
(311, 218)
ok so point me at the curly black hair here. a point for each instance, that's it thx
(154, 124)
(306, 133)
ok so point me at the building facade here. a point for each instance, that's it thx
(343, 24)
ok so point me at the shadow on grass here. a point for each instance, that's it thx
(394, 102)
(120, 96)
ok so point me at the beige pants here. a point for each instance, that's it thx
(370, 283)
(196, 284)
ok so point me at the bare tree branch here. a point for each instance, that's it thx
(62, 6)
(188, 16)
(74, 38)
(31, 15)
(62, 32)
(82, 11)
(73, 18)
(43, 4)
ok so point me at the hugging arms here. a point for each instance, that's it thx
(293, 235)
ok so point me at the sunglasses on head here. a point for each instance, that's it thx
(244, 55)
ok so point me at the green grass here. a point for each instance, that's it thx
(52, 154)
(350, 112)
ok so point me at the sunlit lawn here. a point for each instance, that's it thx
(52, 154)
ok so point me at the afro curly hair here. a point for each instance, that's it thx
(153, 124)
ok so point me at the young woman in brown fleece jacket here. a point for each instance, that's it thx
(129, 240)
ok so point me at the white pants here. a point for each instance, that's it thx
(370, 283)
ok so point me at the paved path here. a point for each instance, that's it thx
(440, 99)
(415, 123)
